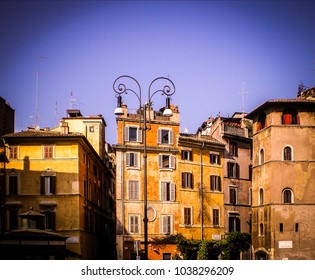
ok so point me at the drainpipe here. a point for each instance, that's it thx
(201, 190)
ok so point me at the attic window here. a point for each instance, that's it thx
(290, 116)
(261, 121)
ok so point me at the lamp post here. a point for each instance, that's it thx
(168, 89)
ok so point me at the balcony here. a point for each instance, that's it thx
(234, 130)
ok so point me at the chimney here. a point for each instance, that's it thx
(64, 128)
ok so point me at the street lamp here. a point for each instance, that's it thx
(167, 89)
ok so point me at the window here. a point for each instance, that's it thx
(281, 227)
(215, 159)
(133, 134)
(167, 256)
(233, 170)
(50, 220)
(132, 160)
(250, 196)
(261, 229)
(13, 152)
(13, 184)
(166, 224)
(13, 219)
(261, 121)
(250, 172)
(168, 191)
(133, 190)
(233, 149)
(234, 223)
(290, 116)
(215, 217)
(287, 153)
(91, 128)
(296, 227)
(165, 136)
(48, 185)
(261, 196)
(261, 156)
(48, 152)
(215, 183)
(166, 161)
(134, 224)
(186, 155)
(187, 216)
(187, 180)
(287, 196)
(232, 195)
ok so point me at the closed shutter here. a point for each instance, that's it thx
(172, 162)
(219, 183)
(127, 159)
(160, 161)
(126, 133)
(139, 135)
(171, 137)
(163, 191)
(172, 192)
(237, 167)
(53, 184)
(42, 185)
(159, 136)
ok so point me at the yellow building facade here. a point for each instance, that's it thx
(169, 204)
(59, 179)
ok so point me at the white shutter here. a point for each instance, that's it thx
(126, 133)
(172, 192)
(139, 135)
(171, 137)
(127, 159)
(159, 136)
(163, 191)
(136, 162)
(160, 161)
(172, 162)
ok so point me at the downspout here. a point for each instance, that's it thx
(123, 191)
(201, 190)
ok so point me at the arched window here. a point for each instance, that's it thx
(290, 116)
(287, 153)
(261, 196)
(261, 156)
(287, 196)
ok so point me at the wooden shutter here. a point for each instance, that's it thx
(127, 159)
(160, 161)
(159, 136)
(171, 137)
(172, 192)
(136, 161)
(163, 191)
(237, 170)
(172, 162)
(42, 185)
(219, 183)
(53, 184)
(139, 135)
(126, 128)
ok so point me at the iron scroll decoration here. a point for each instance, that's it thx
(120, 88)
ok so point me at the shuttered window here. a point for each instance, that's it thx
(134, 226)
(215, 183)
(165, 136)
(166, 224)
(48, 185)
(132, 160)
(133, 134)
(187, 216)
(166, 161)
(187, 180)
(168, 191)
(133, 190)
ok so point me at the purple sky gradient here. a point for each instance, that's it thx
(207, 48)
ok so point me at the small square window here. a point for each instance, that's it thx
(48, 152)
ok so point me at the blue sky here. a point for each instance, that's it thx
(207, 48)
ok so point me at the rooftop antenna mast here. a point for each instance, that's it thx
(37, 80)
(243, 97)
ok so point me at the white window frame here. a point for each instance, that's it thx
(170, 134)
(168, 191)
(169, 227)
(189, 154)
(136, 160)
(292, 196)
(132, 225)
(292, 158)
(133, 190)
(171, 161)
(217, 158)
(138, 134)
